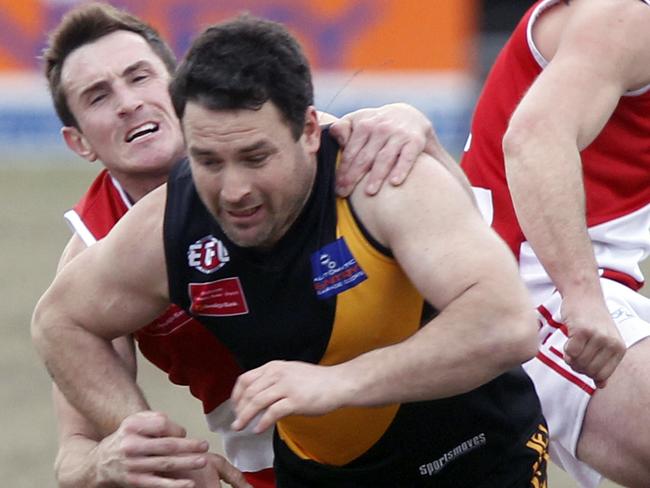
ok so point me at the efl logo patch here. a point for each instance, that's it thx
(220, 298)
(335, 269)
(207, 254)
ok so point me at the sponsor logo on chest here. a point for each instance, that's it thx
(207, 255)
(221, 298)
(335, 270)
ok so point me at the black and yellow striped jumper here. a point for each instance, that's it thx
(325, 294)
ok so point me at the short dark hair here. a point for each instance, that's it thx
(85, 24)
(243, 63)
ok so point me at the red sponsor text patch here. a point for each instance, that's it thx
(219, 298)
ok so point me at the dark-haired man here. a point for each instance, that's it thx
(319, 299)
(108, 73)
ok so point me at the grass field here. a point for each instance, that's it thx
(32, 235)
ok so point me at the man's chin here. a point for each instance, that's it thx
(155, 156)
(155, 163)
(247, 239)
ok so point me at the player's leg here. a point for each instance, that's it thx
(615, 437)
(564, 394)
(605, 430)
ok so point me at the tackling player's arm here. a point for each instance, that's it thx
(107, 291)
(144, 448)
(599, 52)
(385, 142)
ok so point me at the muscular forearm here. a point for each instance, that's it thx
(545, 180)
(468, 344)
(76, 464)
(94, 379)
(540, 156)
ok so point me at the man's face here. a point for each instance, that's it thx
(116, 87)
(251, 174)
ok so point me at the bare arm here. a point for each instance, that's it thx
(107, 291)
(148, 450)
(465, 271)
(601, 53)
(461, 267)
(78, 463)
(385, 142)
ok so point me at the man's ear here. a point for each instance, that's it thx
(311, 131)
(78, 143)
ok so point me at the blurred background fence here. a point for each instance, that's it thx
(431, 53)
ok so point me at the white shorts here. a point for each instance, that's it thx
(246, 450)
(564, 394)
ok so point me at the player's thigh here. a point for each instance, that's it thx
(615, 436)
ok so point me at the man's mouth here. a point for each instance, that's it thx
(141, 131)
(244, 212)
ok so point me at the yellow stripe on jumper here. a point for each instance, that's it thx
(380, 311)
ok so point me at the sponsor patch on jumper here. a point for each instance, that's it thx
(434, 467)
(221, 298)
(335, 270)
(174, 318)
(207, 254)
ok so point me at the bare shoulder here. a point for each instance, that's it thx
(149, 210)
(136, 239)
(73, 248)
(134, 248)
(611, 33)
(429, 197)
(434, 230)
(145, 218)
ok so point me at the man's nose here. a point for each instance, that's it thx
(235, 183)
(128, 101)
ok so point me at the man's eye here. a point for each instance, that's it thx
(257, 158)
(97, 98)
(210, 163)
